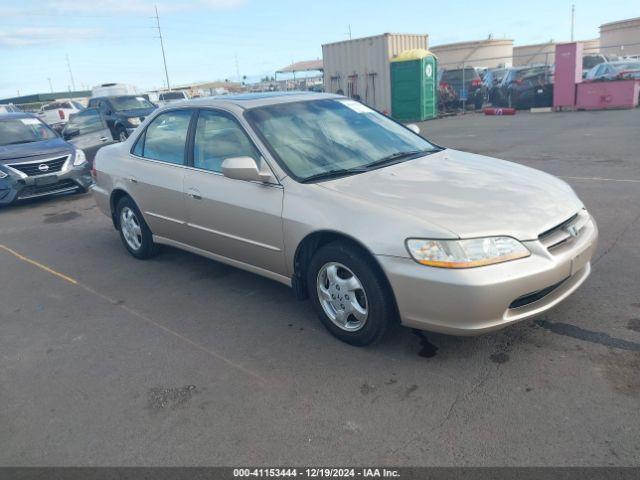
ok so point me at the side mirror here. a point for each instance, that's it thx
(67, 134)
(244, 168)
(414, 128)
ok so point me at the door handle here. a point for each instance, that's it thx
(133, 179)
(194, 193)
(103, 139)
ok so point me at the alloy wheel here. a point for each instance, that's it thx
(342, 296)
(131, 230)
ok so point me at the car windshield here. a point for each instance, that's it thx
(23, 130)
(319, 137)
(130, 103)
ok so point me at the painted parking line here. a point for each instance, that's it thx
(133, 312)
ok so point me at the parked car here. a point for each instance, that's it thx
(122, 113)
(525, 87)
(491, 79)
(591, 60)
(8, 108)
(88, 131)
(464, 81)
(620, 70)
(56, 114)
(113, 90)
(35, 161)
(350, 208)
(173, 96)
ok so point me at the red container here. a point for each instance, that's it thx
(499, 111)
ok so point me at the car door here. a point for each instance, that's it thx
(155, 175)
(88, 131)
(239, 220)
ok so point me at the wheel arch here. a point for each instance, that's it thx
(315, 240)
(116, 195)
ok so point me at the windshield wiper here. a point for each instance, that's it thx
(396, 157)
(339, 172)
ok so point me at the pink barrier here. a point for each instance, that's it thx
(613, 94)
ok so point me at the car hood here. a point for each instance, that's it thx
(469, 195)
(34, 149)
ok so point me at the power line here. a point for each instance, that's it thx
(73, 83)
(164, 58)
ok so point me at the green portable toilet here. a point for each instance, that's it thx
(414, 86)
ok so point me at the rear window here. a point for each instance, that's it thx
(627, 66)
(57, 105)
(172, 96)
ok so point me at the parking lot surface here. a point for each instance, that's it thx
(107, 360)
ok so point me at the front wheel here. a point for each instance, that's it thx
(134, 232)
(121, 134)
(349, 294)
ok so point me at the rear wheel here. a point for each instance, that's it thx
(134, 232)
(349, 294)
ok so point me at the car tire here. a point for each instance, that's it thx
(341, 275)
(121, 134)
(134, 231)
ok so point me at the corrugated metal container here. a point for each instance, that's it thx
(360, 68)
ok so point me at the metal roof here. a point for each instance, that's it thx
(305, 66)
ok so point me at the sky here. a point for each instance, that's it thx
(206, 40)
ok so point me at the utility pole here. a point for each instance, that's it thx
(50, 86)
(164, 59)
(573, 14)
(238, 70)
(73, 83)
(349, 31)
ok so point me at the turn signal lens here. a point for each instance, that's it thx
(79, 159)
(473, 252)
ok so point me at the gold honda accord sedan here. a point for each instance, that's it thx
(351, 209)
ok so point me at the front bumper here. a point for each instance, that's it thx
(69, 179)
(478, 300)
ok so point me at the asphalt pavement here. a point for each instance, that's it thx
(107, 360)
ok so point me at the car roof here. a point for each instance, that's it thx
(247, 101)
(16, 115)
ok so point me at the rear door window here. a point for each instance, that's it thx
(87, 121)
(165, 137)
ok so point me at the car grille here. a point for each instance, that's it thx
(564, 233)
(32, 169)
(38, 191)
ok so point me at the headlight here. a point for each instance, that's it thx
(135, 121)
(79, 159)
(474, 252)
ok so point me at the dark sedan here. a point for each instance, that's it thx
(35, 161)
(525, 87)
